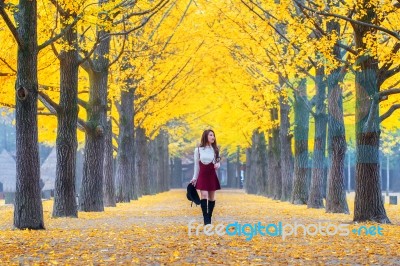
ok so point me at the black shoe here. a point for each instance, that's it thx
(211, 205)
(203, 204)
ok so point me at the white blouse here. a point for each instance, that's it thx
(206, 156)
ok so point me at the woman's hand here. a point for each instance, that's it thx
(217, 165)
(193, 181)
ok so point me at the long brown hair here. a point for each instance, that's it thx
(204, 141)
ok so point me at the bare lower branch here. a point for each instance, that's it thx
(48, 102)
(9, 23)
(7, 105)
(383, 95)
(2, 74)
(54, 107)
(115, 121)
(8, 65)
(83, 103)
(389, 112)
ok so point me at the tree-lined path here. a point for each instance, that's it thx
(154, 230)
(303, 97)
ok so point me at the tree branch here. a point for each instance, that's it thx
(59, 8)
(115, 121)
(2, 74)
(163, 88)
(48, 102)
(392, 33)
(58, 36)
(321, 31)
(9, 23)
(128, 16)
(119, 55)
(46, 113)
(383, 95)
(54, 108)
(7, 105)
(87, 55)
(389, 73)
(387, 65)
(56, 53)
(8, 65)
(83, 103)
(389, 112)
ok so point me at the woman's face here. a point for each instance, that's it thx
(211, 137)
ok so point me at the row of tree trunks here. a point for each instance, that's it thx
(250, 185)
(176, 172)
(234, 169)
(257, 179)
(152, 165)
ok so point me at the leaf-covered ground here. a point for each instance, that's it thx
(154, 230)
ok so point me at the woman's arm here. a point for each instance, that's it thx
(196, 164)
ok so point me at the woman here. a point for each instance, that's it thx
(206, 162)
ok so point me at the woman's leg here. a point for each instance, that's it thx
(204, 194)
(211, 204)
(203, 204)
(211, 195)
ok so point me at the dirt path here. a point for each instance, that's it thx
(155, 230)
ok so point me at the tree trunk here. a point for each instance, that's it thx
(286, 150)
(231, 173)
(238, 169)
(368, 205)
(315, 199)
(176, 172)
(160, 167)
(261, 167)
(125, 147)
(141, 157)
(152, 162)
(301, 123)
(164, 169)
(108, 170)
(274, 160)
(67, 117)
(92, 181)
(249, 181)
(335, 190)
(28, 210)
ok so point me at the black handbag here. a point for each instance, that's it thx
(191, 194)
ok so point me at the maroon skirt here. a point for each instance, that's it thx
(207, 179)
